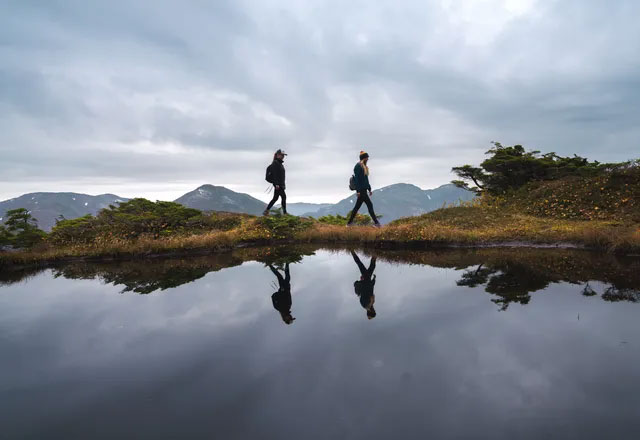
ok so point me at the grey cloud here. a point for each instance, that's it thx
(83, 85)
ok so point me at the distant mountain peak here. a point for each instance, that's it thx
(209, 197)
(47, 207)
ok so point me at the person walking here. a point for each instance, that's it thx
(276, 176)
(363, 188)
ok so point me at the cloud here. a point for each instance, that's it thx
(153, 92)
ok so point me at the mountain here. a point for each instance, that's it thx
(46, 207)
(305, 208)
(219, 198)
(400, 200)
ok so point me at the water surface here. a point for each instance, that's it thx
(448, 344)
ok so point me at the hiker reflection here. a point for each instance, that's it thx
(282, 298)
(364, 286)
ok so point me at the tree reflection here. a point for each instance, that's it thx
(512, 278)
(145, 277)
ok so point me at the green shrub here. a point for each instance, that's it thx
(21, 229)
(339, 220)
(283, 226)
(138, 217)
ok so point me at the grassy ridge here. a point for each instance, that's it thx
(599, 212)
(470, 225)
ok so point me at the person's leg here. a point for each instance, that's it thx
(372, 267)
(283, 200)
(369, 204)
(355, 208)
(363, 270)
(276, 194)
(277, 274)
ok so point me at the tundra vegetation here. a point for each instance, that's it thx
(523, 197)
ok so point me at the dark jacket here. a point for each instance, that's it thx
(364, 289)
(361, 179)
(282, 300)
(277, 173)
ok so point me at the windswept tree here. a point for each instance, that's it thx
(21, 229)
(509, 168)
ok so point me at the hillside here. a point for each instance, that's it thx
(401, 200)
(219, 198)
(609, 196)
(46, 207)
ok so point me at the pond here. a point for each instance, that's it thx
(324, 344)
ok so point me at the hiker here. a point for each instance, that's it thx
(282, 298)
(362, 187)
(364, 286)
(275, 176)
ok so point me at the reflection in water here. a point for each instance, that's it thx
(211, 359)
(510, 275)
(364, 286)
(512, 278)
(282, 298)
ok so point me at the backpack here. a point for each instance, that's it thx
(352, 183)
(269, 175)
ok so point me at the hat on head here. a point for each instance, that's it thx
(363, 155)
(281, 152)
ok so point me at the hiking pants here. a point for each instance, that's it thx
(363, 198)
(278, 193)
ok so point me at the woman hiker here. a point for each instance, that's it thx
(363, 188)
(276, 176)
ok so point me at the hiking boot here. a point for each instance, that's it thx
(350, 225)
(266, 213)
(377, 225)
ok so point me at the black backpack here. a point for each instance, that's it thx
(352, 183)
(269, 175)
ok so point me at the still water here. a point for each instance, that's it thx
(319, 344)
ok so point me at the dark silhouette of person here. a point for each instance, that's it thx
(364, 286)
(282, 298)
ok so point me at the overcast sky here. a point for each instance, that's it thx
(154, 98)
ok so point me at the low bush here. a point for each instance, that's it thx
(284, 226)
(141, 217)
(339, 220)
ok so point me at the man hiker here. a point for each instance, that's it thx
(364, 286)
(363, 188)
(282, 298)
(275, 176)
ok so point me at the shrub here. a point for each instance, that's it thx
(21, 229)
(339, 220)
(284, 226)
(139, 217)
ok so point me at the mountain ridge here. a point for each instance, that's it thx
(47, 207)
(401, 200)
(393, 201)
